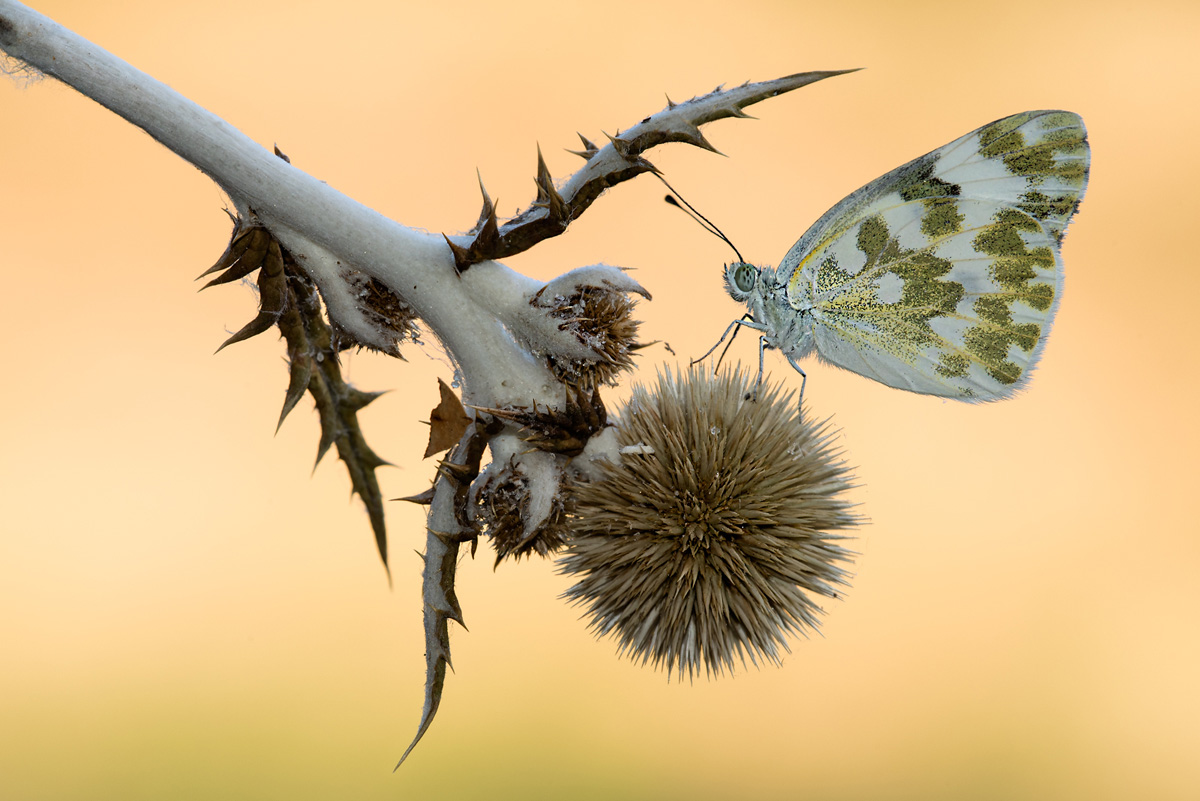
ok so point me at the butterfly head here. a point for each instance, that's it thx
(740, 280)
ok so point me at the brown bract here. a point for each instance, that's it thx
(448, 421)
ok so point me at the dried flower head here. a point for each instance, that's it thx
(566, 430)
(506, 509)
(601, 318)
(711, 539)
(386, 312)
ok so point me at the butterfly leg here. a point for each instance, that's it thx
(732, 326)
(762, 349)
(803, 378)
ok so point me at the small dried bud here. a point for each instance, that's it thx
(565, 430)
(387, 313)
(710, 539)
(600, 318)
(519, 516)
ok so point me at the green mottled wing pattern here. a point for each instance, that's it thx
(943, 276)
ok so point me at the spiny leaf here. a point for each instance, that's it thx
(244, 255)
(437, 639)
(486, 232)
(272, 296)
(310, 350)
(299, 373)
(421, 498)
(449, 526)
(619, 160)
(488, 212)
(547, 195)
(357, 399)
(289, 300)
(589, 149)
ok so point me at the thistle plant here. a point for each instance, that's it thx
(532, 460)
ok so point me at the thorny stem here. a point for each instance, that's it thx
(323, 228)
(482, 315)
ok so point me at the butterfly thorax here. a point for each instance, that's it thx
(766, 297)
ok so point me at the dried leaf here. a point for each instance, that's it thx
(299, 374)
(447, 422)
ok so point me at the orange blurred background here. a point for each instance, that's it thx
(185, 613)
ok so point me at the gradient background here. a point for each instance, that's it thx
(185, 613)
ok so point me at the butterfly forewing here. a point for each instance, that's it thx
(943, 276)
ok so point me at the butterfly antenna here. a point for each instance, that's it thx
(676, 200)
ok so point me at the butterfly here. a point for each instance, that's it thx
(941, 277)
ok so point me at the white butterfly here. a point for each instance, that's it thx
(943, 276)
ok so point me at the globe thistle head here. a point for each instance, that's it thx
(714, 534)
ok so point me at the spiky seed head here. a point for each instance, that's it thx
(712, 541)
(600, 317)
(502, 512)
(387, 313)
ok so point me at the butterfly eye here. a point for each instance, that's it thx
(740, 279)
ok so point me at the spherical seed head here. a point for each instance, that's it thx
(713, 545)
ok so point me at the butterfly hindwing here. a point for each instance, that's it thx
(943, 276)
